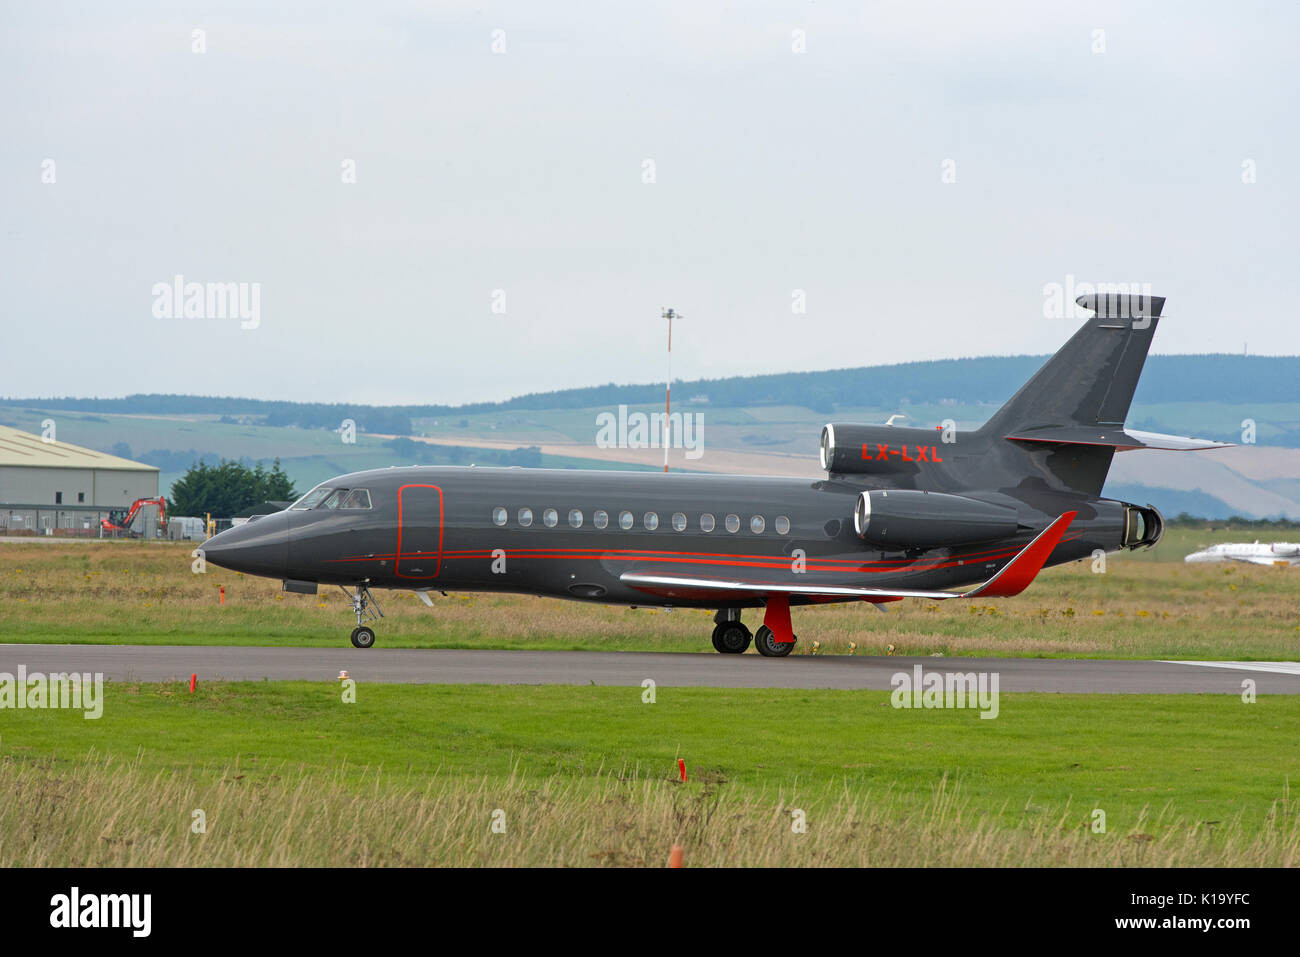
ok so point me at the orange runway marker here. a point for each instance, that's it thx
(194, 679)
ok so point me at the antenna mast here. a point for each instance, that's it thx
(670, 315)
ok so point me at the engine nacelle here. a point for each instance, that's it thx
(873, 449)
(907, 518)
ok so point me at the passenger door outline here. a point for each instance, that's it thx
(418, 556)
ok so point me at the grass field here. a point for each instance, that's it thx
(1149, 605)
(287, 774)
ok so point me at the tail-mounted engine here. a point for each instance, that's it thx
(875, 449)
(907, 519)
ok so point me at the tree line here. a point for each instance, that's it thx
(227, 488)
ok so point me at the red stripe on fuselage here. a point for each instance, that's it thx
(755, 561)
(616, 554)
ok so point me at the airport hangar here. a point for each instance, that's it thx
(53, 488)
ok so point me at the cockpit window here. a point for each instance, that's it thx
(312, 498)
(322, 496)
(357, 498)
(335, 499)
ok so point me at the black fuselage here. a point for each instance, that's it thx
(901, 512)
(444, 529)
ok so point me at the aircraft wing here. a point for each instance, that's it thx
(1011, 579)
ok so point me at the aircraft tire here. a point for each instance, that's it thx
(363, 637)
(731, 638)
(766, 644)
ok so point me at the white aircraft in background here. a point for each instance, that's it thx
(1278, 553)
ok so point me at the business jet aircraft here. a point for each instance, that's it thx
(901, 513)
(1278, 553)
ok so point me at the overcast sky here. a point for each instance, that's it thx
(501, 153)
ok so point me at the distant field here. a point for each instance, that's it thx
(287, 774)
(310, 456)
(1261, 479)
(1149, 605)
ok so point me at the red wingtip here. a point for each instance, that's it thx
(1024, 568)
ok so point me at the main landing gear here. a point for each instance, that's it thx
(733, 637)
(765, 643)
(363, 636)
(730, 637)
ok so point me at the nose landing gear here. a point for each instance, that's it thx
(363, 636)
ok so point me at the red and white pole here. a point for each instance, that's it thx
(670, 315)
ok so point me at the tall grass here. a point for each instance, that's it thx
(105, 812)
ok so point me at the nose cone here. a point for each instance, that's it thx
(255, 548)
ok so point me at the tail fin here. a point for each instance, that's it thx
(1070, 415)
(1091, 380)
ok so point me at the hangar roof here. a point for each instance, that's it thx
(23, 448)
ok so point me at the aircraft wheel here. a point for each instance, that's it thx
(767, 645)
(731, 638)
(363, 637)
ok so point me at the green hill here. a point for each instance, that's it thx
(1206, 395)
(1166, 380)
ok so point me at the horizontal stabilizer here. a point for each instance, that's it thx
(1125, 306)
(1009, 580)
(1122, 440)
